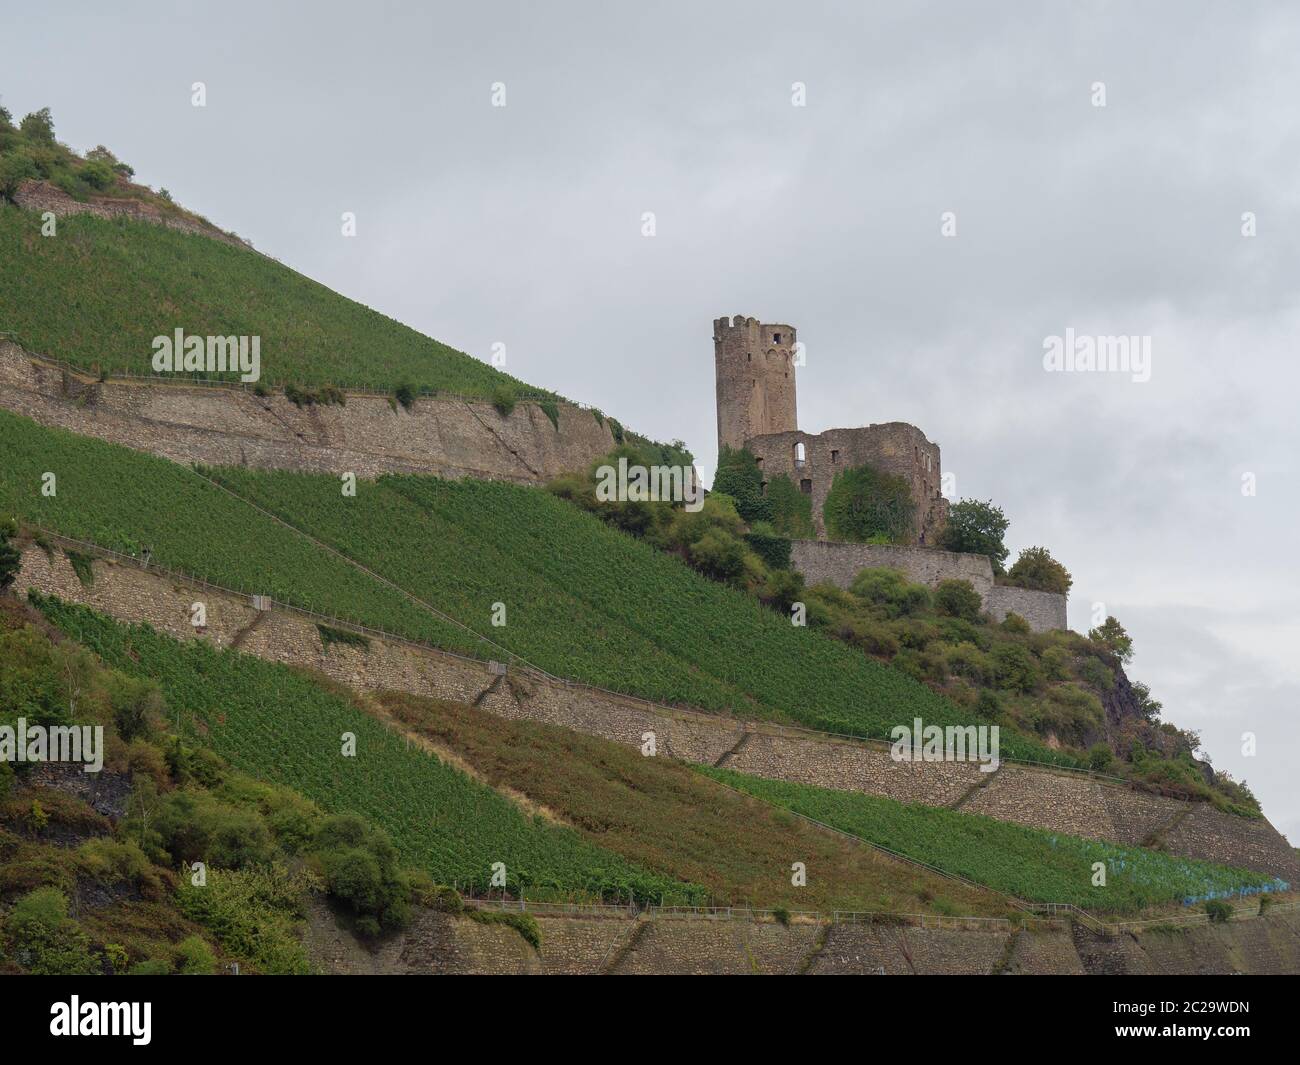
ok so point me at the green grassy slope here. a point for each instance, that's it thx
(582, 600)
(98, 294)
(662, 815)
(279, 725)
(586, 601)
(1025, 862)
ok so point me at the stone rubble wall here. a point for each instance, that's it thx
(369, 436)
(436, 943)
(42, 196)
(839, 563)
(1055, 800)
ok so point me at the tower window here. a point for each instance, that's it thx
(776, 337)
(749, 357)
(800, 455)
(835, 455)
(805, 486)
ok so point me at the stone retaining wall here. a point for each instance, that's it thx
(1058, 801)
(839, 563)
(368, 436)
(437, 943)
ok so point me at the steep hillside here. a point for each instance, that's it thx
(1025, 862)
(98, 293)
(654, 810)
(285, 728)
(581, 599)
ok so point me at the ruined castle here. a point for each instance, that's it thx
(755, 366)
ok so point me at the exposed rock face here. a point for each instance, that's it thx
(369, 436)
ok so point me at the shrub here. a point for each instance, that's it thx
(137, 705)
(551, 410)
(719, 555)
(196, 826)
(977, 528)
(1037, 570)
(194, 957)
(1014, 668)
(958, 599)
(1014, 623)
(1056, 662)
(44, 939)
(782, 589)
(967, 660)
(151, 967)
(405, 395)
(504, 400)
(359, 864)
(769, 545)
(1220, 912)
(1100, 758)
(865, 503)
(891, 591)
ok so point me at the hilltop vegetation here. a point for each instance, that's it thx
(1027, 863)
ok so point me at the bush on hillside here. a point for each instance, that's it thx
(43, 939)
(958, 599)
(890, 591)
(360, 867)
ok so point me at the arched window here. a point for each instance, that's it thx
(800, 456)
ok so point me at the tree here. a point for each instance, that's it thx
(865, 504)
(1038, 571)
(976, 528)
(39, 126)
(1111, 635)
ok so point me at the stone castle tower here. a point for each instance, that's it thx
(755, 377)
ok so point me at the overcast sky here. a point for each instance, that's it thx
(523, 224)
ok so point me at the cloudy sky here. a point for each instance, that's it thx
(523, 225)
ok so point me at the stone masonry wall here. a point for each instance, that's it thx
(839, 563)
(1043, 610)
(42, 196)
(369, 436)
(892, 447)
(435, 943)
(1054, 800)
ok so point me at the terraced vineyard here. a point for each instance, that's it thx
(276, 724)
(100, 293)
(582, 600)
(585, 601)
(1028, 863)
